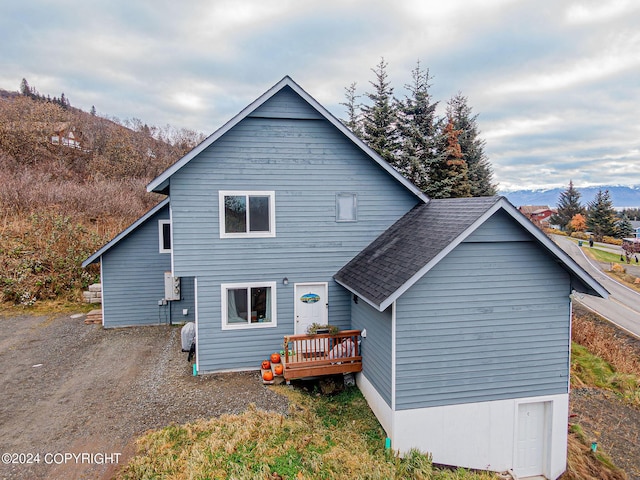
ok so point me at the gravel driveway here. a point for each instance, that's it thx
(71, 388)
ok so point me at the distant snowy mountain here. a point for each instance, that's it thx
(622, 196)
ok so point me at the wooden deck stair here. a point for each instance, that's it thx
(321, 354)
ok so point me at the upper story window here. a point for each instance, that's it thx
(247, 214)
(164, 235)
(346, 207)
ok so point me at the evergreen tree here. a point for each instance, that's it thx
(378, 118)
(416, 126)
(568, 206)
(631, 213)
(24, 88)
(353, 120)
(480, 170)
(601, 216)
(448, 173)
(624, 227)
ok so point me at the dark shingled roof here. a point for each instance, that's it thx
(410, 244)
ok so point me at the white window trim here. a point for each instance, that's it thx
(355, 206)
(161, 224)
(272, 213)
(224, 298)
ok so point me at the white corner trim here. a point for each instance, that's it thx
(393, 356)
(197, 322)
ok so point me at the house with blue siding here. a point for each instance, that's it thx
(133, 267)
(464, 305)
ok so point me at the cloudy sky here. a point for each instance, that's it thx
(556, 83)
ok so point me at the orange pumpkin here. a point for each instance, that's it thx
(266, 365)
(278, 369)
(267, 376)
(275, 358)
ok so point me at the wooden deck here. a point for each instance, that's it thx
(321, 354)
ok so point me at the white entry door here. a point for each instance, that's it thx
(531, 439)
(311, 305)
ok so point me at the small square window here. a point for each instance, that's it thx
(247, 214)
(346, 207)
(164, 235)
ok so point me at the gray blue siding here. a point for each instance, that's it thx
(376, 347)
(306, 162)
(133, 280)
(500, 227)
(491, 321)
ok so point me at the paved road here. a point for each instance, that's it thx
(623, 305)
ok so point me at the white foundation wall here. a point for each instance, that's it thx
(481, 436)
(378, 406)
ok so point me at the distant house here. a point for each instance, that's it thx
(636, 228)
(66, 135)
(538, 214)
(283, 218)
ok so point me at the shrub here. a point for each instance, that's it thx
(612, 240)
(41, 257)
(580, 235)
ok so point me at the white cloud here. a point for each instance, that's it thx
(599, 11)
(519, 126)
(621, 55)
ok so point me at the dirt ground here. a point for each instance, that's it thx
(608, 420)
(71, 388)
(611, 423)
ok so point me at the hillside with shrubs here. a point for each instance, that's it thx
(70, 181)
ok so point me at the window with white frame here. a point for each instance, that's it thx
(346, 207)
(164, 235)
(247, 214)
(248, 305)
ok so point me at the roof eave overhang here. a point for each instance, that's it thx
(575, 270)
(97, 255)
(360, 296)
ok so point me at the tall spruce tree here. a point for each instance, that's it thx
(601, 216)
(353, 116)
(378, 119)
(448, 173)
(472, 146)
(568, 205)
(416, 126)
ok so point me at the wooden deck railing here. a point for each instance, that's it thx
(322, 354)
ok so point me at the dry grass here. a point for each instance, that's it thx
(320, 438)
(604, 341)
(41, 256)
(583, 464)
(603, 357)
